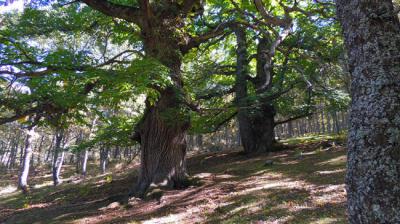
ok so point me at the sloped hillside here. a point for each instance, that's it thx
(301, 184)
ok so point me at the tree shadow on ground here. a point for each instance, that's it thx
(235, 189)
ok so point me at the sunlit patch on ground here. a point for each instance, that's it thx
(7, 189)
(234, 189)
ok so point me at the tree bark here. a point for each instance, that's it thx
(165, 123)
(58, 159)
(23, 179)
(163, 127)
(84, 162)
(256, 124)
(39, 156)
(372, 37)
(103, 159)
(163, 144)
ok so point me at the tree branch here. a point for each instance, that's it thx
(128, 13)
(267, 17)
(194, 42)
(215, 94)
(293, 118)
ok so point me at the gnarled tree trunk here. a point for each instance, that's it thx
(163, 128)
(162, 137)
(372, 36)
(163, 144)
(256, 122)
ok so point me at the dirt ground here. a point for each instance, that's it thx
(304, 184)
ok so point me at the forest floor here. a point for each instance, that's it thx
(305, 184)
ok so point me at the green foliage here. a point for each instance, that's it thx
(94, 63)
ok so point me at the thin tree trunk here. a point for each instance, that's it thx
(23, 178)
(22, 152)
(39, 156)
(103, 159)
(372, 37)
(50, 148)
(323, 122)
(336, 122)
(290, 129)
(84, 162)
(328, 123)
(58, 159)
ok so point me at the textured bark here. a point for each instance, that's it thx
(164, 125)
(256, 124)
(162, 139)
(163, 144)
(23, 178)
(372, 37)
(241, 91)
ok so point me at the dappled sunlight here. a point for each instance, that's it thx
(325, 221)
(327, 172)
(232, 188)
(7, 189)
(334, 161)
(44, 184)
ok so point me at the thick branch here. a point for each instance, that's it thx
(267, 17)
(194, 42)
(226, 120)
(188, 5)
(128, 13)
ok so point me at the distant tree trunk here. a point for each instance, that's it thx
(323, 122)
(328, 123)
(23, 178)
(84, 162)
(336, 122)
(103, 159)
(39, 156)
(58, 159)
(318, 127)
(14, 150)
(290, 129)
(50, 148)
(256, 126)
(116, 152)
(199, 141)
(21, 153)
(372, 37)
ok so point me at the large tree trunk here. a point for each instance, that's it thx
(163, 144)
(245, 128)
(256, 123)
(23, 179)
(162, 131)
(372, 36)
